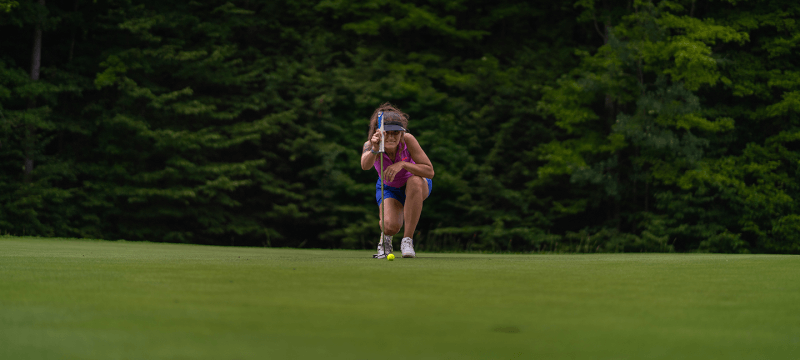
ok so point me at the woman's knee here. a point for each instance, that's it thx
(417, 184)
(392, 227)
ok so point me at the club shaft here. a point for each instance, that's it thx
(383, 218)
(381, 151)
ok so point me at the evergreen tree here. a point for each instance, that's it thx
(587, 126)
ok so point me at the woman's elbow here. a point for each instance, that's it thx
(365, 165)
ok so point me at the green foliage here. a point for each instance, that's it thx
(8, 5)
(590, 127)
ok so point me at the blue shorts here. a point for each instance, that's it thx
(398, 194)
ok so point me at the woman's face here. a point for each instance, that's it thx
(393, 139)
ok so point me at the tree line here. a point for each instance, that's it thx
(587, 126)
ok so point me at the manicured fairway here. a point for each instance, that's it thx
(73, 299)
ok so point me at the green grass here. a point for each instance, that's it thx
(74, 299)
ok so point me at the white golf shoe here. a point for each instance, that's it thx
(407, 248)
(384, 248)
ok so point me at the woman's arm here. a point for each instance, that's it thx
(423, 165)
(367, 157)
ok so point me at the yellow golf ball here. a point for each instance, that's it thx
(390, 257)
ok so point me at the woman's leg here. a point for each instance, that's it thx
(416, 193)
(394, 216)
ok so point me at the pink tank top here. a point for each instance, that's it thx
(402, 155)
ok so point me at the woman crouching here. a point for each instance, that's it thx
(407, 174)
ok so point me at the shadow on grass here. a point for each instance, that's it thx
(447, 258)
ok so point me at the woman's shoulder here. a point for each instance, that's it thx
(410, 137)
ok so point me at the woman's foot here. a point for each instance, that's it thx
(407, 248)
(384, 247)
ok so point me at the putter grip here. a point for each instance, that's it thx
(380, 127)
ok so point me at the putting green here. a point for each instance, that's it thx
(78, 299)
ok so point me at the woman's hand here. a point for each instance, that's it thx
(390, 172)
(376, 140)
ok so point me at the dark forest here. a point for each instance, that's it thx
(588, 126)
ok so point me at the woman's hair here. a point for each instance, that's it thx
(390, 113)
